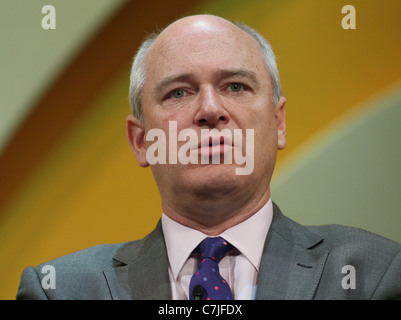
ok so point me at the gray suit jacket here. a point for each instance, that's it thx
(298, 263)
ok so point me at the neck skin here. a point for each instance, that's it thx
(213, 217)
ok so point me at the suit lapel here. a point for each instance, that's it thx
(292, 262)
(291, 266)
(141, 270)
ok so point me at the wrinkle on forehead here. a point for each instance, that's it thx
(191, 39)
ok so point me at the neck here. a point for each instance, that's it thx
(212, 218)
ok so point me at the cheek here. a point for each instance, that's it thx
(165, 125)
(257, 110)
(266, 137)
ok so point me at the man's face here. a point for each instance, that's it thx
(207, 74)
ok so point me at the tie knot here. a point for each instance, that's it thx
(214, 248)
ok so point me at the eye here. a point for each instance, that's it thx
(236, 87)
(177, 93)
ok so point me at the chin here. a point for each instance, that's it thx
(214, 179)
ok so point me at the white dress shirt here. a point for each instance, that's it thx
(240, 268)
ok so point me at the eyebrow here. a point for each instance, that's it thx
(242, 73)
(171, 79)
(221, 74)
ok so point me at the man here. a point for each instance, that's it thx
(204, 72)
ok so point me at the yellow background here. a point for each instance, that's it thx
(89, 189)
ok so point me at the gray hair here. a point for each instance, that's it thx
(137, 77)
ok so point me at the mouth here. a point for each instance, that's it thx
(213, 146)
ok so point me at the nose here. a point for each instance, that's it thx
(211, 111)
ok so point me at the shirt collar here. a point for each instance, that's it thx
(181, 240)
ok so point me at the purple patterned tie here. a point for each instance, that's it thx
(207, 283)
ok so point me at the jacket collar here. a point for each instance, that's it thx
(292, 261)
(291, 265)
(140, 269)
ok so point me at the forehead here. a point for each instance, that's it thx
(202, 45)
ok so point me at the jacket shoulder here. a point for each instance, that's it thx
(343, 237)
(96, 257)
(78, 275)
(367, 266)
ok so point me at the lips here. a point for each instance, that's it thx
(214, 145)
(212, 141)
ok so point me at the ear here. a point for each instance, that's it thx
(136, 139)
(280, 122)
